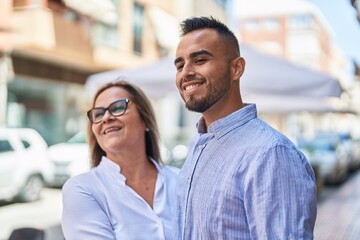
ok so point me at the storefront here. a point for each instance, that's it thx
(47, 97)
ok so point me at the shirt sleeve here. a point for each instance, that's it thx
(280, 195)
(83, 217)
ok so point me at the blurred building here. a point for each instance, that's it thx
(54, 45)
(297, 31)
(291, 29)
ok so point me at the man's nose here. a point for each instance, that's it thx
(188, 71)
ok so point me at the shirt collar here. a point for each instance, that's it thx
(223, 125)
(114, 170)
(111, 168)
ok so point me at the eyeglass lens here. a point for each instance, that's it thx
(116, 109)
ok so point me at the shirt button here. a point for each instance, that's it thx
(291, 237)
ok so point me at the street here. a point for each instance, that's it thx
(338, 213)
(42, 214)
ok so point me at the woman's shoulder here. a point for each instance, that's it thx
(82, 181)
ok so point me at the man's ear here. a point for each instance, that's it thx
(238, 68)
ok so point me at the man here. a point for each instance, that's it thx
(242, 178)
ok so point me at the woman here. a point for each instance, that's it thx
(128, 194)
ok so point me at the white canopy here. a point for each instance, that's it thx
(101, 10)
(265, 77)
(288, 104)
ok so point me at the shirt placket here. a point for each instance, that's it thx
(145, 205)
(199, 147)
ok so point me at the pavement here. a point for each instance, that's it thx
(338, 216)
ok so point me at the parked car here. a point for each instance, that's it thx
(351, 147)
(355, 149)
(69, 158)
(24, 164)
(329, 157)
(72, 158)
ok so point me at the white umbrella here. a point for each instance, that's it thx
(292, 104)
(102, 10)
(265, 76)
(156, 79)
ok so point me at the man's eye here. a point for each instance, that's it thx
(200, 60)
(179, 67)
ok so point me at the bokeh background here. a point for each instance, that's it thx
(302, 71)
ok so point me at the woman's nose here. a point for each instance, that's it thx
(107, 116)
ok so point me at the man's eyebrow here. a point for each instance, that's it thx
(179, 59)
(194, 55)
(201, 52)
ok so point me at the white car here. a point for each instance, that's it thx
(69, 158)
(24, 164)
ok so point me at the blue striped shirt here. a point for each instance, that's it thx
(244, 180)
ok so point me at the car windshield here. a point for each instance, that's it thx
(324, 144)
(80, 137)
(317, 144)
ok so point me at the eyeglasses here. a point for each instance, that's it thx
(116, 109)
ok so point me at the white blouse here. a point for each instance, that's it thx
(99, 205)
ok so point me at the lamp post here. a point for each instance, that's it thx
(6, 74)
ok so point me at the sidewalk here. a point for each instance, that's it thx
(338, 217)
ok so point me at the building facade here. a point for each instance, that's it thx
(55, 45)
(51, 47)
(297, 31)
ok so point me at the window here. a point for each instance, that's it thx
(251, 25)
(104, 34)
(25, 143)
(221, 3)
(271, 24)
(299, 21)
(138, 27)
(5, 146)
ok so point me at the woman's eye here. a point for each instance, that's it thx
(99, 114)
(118, 108)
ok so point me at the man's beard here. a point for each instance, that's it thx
(215, 93)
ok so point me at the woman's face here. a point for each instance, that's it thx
(119, 134)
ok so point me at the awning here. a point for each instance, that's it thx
(264, 76)
(269, 75)
(101, 10)
(166, 27)
(289, 104)
(156, 79)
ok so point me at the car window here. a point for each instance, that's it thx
(78, 138)
(5, 146)
(25, 143)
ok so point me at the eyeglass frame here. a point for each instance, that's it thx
(89, 115)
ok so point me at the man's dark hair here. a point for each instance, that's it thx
(196, 23)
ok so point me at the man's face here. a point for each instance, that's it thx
(203, 69)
